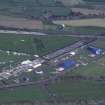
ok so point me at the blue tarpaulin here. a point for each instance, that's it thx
(94, 50)
(68, 64)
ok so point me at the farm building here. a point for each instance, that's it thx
(67, 64)
(94, 50)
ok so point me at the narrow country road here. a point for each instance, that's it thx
(45, 34)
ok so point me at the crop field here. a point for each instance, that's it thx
(21, 23)
(83, 22)
(32, 8)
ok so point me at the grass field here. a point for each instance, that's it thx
(7, 59)
(65, 90)
(30, 93)
(100, 43)
(92, 70)
(32, 44)
(29, 45)
(74, 90)
(83, 22)
(32, 8)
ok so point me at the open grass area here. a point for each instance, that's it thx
(33, 44)
(83, 26)
(12, 45)
(7, 59)
(65, 90)
(83, 22)
(100, 43)
(22, 94)
(91, 70)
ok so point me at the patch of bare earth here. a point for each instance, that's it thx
(21, 23)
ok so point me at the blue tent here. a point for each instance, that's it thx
(94, 50)
(67, 64)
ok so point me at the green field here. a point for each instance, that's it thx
(33, 44)
(10, 59)
(32, 8)
(30, 93)
(100, 43)
(74, 90)
(92, 70)
(83, 22)
(65, 90)
(82, 27)
(29, 45)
